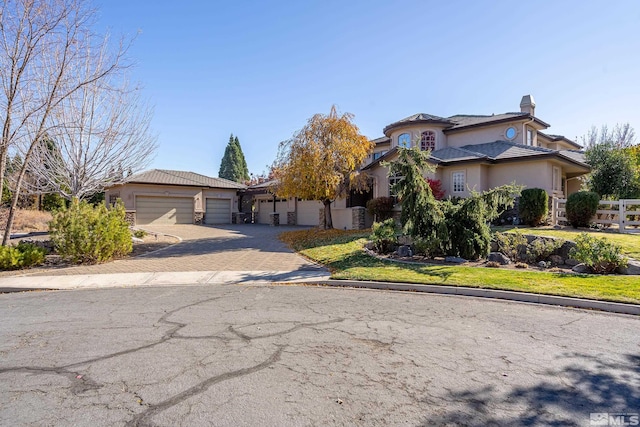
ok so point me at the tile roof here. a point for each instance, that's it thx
(456, 154)
(418, 118)
(500, 150)
(171, 177)
(462, 120)
(381, 140)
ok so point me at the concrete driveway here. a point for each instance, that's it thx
(244, 247)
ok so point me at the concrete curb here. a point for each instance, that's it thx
(611, 307)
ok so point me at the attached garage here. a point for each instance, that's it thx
(218, 211)
(152, 210)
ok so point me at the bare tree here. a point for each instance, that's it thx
(97, 136)
(621, 136)
(43, 46)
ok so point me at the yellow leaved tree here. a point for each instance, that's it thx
(321, 161)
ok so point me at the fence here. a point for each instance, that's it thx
(609, 213)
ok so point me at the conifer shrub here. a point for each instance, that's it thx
(533, 206)
(383, 236)
(581, 207)
(85, 234)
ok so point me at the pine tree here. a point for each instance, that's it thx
(233, 165)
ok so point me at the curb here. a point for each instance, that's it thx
(611, 307)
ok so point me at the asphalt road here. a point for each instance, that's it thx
(293, 355)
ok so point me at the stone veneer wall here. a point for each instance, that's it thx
(274, 219)
(357, 218)
(130, 217)
(291, 218)
(198, 218)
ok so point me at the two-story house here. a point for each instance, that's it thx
(479, 152)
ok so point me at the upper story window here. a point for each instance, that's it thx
(511, 133)
(379, 154)
(404, 141)
(428, 140)
(530, 136)
(459, 181)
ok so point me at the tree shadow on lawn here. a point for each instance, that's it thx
(585, 385)
(361, 260)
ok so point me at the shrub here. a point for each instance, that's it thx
(533, 206)
(436, 188)
(522, 265)
(581, 207)
(541, 249)
(427, 246)
(381, 208)
(21, 256)
(384, 236)
(53, 202)
(600, 255)
(513, 245)
(139, 233)
(83, 233)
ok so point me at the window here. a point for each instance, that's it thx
(511, 133)
(379, 154)
(428, 141)
(404, 140)
(113, 198)
(458, 179)
(556, 179)
(393, 180)
(530, 136)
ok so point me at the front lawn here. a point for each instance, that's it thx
(630, 243)
(342, 252)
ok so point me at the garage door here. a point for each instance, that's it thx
(164, 210)
(218, 211)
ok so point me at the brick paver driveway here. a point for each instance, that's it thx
(244, 247)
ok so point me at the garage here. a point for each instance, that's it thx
(152, 210)
(218, 211)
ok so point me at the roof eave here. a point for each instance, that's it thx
(494, 122)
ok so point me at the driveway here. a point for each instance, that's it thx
(232, 355)
(244, 247)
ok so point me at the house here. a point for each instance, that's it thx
(470, 153)
(479, 152)
(167, 197)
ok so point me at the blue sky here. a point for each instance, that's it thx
(260, 69)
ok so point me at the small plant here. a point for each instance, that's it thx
(493, 264)
(383, 236)
(21, 256)
(380, 208)
(83, 233)
(139, 233)
(513, 245)
(427, 246)
(521, 265)
(598, 254)
(541, 249)
(533, 206)
(581, 207)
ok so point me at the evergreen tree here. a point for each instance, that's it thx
(233, 165)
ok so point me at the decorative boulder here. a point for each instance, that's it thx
(572, 262)
(563, 251)
(404, 251)
(498, 257)
(556, 260)
(580, 268)
(455, 259)
(633, 267)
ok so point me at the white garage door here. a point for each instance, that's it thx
(309, 212)
(164, 210)
(218, 211)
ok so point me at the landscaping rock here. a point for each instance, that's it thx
(633, 267)
(580, 268)
(563, 251)
(556, 260)
(405, 240)
(404, 251)
(494, 246)
(543, 264)
(571, 261)
(369, 245)
(455, 259)
(47, 245)
(498, 257)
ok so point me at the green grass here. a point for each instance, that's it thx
(630, 243)
(342, 253)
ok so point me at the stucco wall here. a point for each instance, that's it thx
(415, 132)
(475, 175)
(534, 174)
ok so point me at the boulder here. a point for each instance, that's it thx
(404, 251)
(498, 257)
(571, 262)
(563, 250)
(556, 260)
(494, 246)
(633, 267)
(455, 259)
(542, 264)
(580, 268)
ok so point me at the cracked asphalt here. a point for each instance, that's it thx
(230, 355)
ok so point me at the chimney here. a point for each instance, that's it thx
(528, 105)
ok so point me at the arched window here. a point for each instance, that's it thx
(428, 140)
(404, 141)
